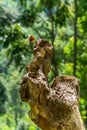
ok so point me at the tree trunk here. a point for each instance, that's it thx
(52, 107)
(54, 62)
(75, 39)
(16, 118)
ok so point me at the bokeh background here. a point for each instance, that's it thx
(64, 24)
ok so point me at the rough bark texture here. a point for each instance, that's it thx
(53, 107)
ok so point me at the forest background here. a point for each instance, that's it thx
(64, 24)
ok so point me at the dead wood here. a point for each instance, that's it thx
(53, 107)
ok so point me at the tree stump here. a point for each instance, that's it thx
(53, 107)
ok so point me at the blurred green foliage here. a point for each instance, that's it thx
(52, 20)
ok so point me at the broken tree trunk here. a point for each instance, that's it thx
(53, 107)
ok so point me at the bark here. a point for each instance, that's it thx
(53, 107)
